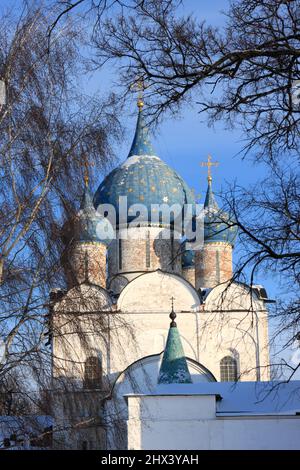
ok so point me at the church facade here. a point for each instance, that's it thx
(110, 328)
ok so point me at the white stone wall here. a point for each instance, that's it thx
(230, 323)
(139, 326)
(190, 423)
(189, 275)
(86, 322)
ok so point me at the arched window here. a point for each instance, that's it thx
(228, 369)
(172, 249)
(93, 372)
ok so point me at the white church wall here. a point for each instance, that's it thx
(84, 298)
(190, 423)
(79, 337)
(233, 296)
(206, 338)
(139, 328)
(79, 326)
(231, 322)
(153, 291)
(141, 377)
(233, 334)
(235, 322)
(86, 323)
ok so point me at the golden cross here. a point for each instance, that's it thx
(209, 164)
(139, 86)
(86, 165)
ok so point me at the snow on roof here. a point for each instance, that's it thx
(243, 398)
(137, 159)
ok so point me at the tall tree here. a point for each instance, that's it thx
(246, 71)
(48, 128)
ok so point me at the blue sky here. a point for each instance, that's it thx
(186, 141)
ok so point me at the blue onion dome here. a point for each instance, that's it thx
(218, 225)
(188, 258)
(144, 178)
(89, 225)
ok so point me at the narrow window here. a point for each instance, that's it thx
(148, 250)
(92, 372)
(228, 369)
(120, 253)
(172, 249)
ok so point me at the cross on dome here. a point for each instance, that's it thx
(139, 86)
(209, 164)
(86, 164)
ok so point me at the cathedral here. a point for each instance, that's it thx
(112, 338)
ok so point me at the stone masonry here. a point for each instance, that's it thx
(86, 262)
(213, 264)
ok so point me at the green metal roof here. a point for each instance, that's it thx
(174, 368)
